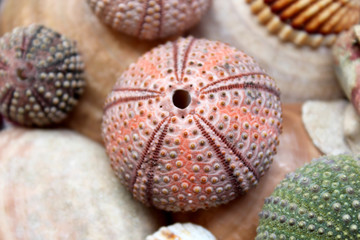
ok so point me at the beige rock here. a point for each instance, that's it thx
(182, 231)
(301, 72)
(324, 122)
(334, 126)
(59, 185)
(352, 128)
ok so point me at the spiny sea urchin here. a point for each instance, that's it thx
(150, 19)
(41, 76)
(314, 23)
(193, 124)
(318, 201)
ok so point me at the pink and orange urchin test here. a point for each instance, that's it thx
(193, 124)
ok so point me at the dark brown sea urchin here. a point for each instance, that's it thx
(150, 19)
(193, 124)
(41, 76)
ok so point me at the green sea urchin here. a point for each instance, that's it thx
(318, 201)
(41, 76)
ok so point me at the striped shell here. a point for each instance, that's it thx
(182, 231)
(41, 76)
(307, 22)
(318, 201)
(150, 19)
(193, 124)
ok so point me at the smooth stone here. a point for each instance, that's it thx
(352, 128)
(324, 122)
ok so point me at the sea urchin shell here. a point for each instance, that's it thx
(311, 22)
(192, 124)
(150, 19)
(41, 76)
(318, 201)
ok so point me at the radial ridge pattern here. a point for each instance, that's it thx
(206, 153)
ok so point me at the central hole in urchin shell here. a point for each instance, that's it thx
(20, 73)
(181, 98)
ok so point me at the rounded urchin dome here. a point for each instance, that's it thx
(193, 124)
(318, 201)
(150, 19)
(41, 76)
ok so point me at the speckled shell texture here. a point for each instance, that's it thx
(182, 231)
(150, 19)
(318, 201)
(346, 53)
(207, 153)
(41, 76)
(315, 22)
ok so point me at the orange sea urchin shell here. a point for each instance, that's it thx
(150, 19)
(193, 124)
(41, 76)
(310, 22)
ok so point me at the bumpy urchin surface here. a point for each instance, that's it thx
(318, 201)
(41, 76)
(150, 19)
(192, 124)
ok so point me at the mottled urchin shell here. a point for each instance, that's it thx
(304, 22)
(182, 231)
(346, 53)
(193, 124)
(41, 76)
(318, 201)
(150, 19)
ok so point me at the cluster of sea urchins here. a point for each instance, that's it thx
(150, 19)
(318, 201)
(311, 23)
(193, 124)
(346, 53)
(41, 76)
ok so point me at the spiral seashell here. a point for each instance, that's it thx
(182, 231)
(307, 22)
(193, 124)
(318, 201)
(41, 76)
(150, 19)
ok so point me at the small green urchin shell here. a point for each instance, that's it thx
(318, 201)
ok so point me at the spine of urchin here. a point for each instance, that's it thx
(41, 76)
